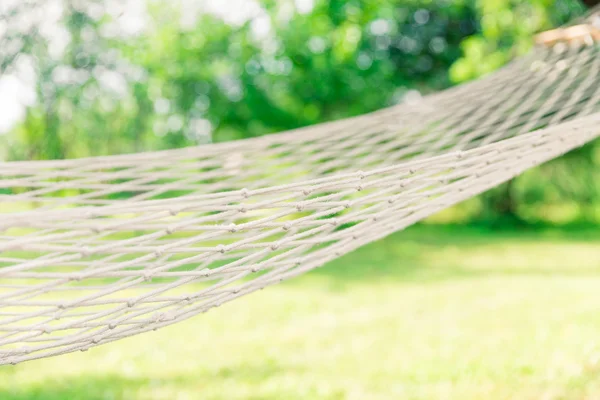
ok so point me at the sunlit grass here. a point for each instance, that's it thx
(454, 313)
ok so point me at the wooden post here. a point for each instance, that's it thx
(577, 34)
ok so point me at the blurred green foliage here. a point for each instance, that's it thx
(291, 64)
(505, 29)
(340, 59)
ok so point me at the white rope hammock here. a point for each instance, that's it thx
(94, 250)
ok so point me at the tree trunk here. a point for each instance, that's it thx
(53, 147)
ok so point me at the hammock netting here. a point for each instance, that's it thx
(97, 249)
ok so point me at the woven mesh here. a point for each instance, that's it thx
(94, 250)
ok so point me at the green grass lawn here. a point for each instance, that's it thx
(429, 313)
